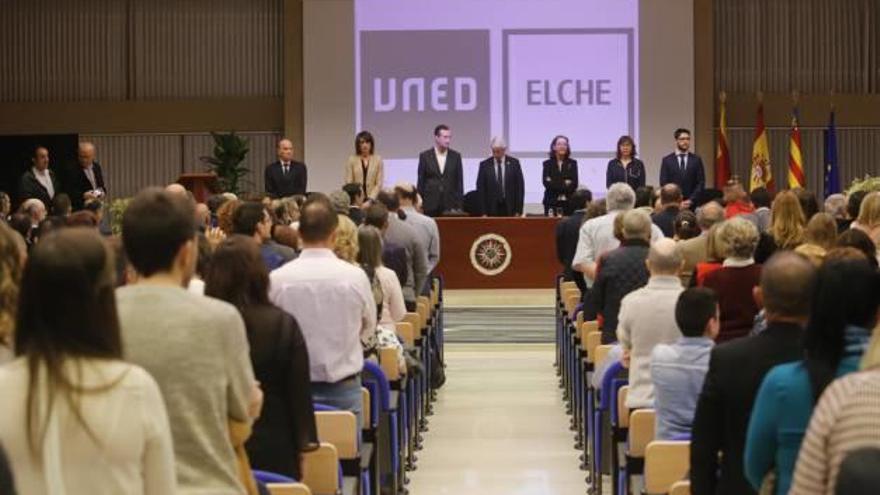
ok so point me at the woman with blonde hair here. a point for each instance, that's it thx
(787, 223)
(868, 220)
(12, 253)
(820, 236)
(346, 246)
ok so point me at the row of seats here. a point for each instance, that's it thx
(396, 407)
(613, 440)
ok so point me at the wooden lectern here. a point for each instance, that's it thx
(202, 184)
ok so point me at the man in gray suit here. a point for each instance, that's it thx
(441, 178)
(403, 234)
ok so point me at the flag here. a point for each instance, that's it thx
(761, 175)
(722, 156)
(795, 161)
(832, 174)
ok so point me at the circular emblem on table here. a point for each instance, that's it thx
(490, 254)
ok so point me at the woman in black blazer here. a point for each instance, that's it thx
(286, 426)
(625, 167)
(560, 177)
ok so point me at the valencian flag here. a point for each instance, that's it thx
(832, 175)
(722, 155)
(761, 174)
(795, 161)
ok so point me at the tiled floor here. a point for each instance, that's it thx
(499, 426)
(499, 297)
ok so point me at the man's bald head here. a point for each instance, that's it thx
(787, 281)
(664, 258)
(285, 150)
(709, 214)
(670, 194)
(176, 188)
(85, 154)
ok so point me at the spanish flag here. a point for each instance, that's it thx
(722, 156)
(762, 174)
(795, 161)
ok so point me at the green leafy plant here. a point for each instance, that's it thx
(867, 184)
(117, 211)
(230, 150)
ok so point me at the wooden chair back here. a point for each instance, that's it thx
(367, 416)
(320, 470)
(622, 410)
(586, 328)
(339, 428)
(239, 432)
(406, 331)
(602, 353)
(592, 342)
(680, 488)
(288, 489)
(641, 431)
(388, 363)
(665, 463)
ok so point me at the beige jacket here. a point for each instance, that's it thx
(375, 173)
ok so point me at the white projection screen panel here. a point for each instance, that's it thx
(525, 70)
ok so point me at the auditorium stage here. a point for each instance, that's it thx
(498, 253)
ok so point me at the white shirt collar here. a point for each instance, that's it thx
(738, 262)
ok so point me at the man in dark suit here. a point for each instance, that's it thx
(84, 178)
(286, 177)
(736, 370)
(393, 255)
(441, 178)
(670, 207)
(683, 168)
(38, 181)
(500, 183)
(567, 234)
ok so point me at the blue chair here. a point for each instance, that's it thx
(351, 466)
(267, 477)
(380, 391)
(601, 411)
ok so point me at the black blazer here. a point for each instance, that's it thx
(286, 426)
(490, 193)
(567, 234)
(633, 174)
(440, 191)
(554, 179)
(736, 370)
(76, 183)
(29, 187)
(665, 219)
(295, 182)
(691, 182)
(394, 257)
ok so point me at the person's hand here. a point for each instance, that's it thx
(624, 360)
(256, 404)
(214, 236)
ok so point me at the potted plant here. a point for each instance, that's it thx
(230, 151)
(867, 184)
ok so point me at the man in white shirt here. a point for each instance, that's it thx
(333, 303)
(647, 318)
(597, 234)
(39, 182)
(426, 227)
(441, 179)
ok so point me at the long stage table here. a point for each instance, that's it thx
(498, 253)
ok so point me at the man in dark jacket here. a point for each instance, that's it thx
(85, 178)
(670, 206)
(500, 183)
(38, 181)
(621, 271)
(567, 234)
(736, 370)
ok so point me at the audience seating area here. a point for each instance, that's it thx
(615, 442)
(396, 408)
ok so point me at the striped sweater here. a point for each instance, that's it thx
(847, 418)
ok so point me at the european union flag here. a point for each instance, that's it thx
(832, 174)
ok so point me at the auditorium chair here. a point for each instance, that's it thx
(680, 488)
(603, 441)
(641, 433)
(288, 489)
(385, 428)
(239, 432)
(340, 428)
(666, 462)
(619, 436)
(321, 471)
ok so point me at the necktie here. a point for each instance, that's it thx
(681, 159)
(284, 167)
(499, 177)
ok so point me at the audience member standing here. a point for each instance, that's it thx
(286, 177)
(678, 369)
(286, 426)
(597, 234)
(736, 279)
(647, 318)
(403, 234)
(844, 312)
(622, 271)
(736, 370)
(332, 301)
(39, 182)
(76, 418)
(567, 232)
(393, 255)
(696, 250)
(787, 224)
(425, 226)
(670, 206)
(12, 258)
(194, 346)
(252, 219)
